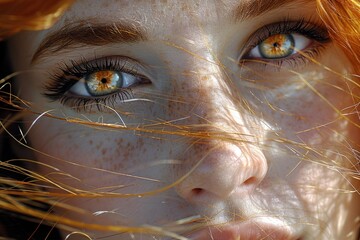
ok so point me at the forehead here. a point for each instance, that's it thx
(159, 10)
(172, 15)
(195, 22)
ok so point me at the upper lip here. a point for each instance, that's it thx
(270, 229)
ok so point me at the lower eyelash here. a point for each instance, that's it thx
(81, 104)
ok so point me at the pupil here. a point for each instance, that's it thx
(103, 80)
(276, 45)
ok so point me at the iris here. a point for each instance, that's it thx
(103, 82)
(277, 46)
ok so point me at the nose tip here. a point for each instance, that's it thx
(222, 170)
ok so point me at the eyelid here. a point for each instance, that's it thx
(58, 88)
(69, 74)
(308, 29)
(116, 63)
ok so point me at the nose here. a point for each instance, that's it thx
(220, 169)
(228, 158)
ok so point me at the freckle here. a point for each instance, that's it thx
(105, 4)
(140, 143)
(126, 154)
(91, 142)
(203, 92)
(203, 78)
(103, 151)
(118, 152)
(119, 142)
(118, 166)
(182, 87)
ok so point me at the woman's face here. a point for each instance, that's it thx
(246, 106)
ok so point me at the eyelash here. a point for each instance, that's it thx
(59, 85)
(57, 89)
(310, 30)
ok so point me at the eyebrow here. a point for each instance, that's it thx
(85, 34)
(252, 8)
(95, 34)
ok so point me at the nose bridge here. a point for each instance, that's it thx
(211, 96)
(214, 104)
(224, 157)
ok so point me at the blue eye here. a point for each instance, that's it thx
(102, 83)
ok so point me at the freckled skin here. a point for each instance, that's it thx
(261, 137)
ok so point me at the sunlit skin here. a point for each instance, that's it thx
(273, 141)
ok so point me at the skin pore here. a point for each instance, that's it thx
(259, 141)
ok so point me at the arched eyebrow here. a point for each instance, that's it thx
(247, 9)
(88, 34)
(95, 34)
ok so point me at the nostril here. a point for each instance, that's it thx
(197, 191)
(250, 181)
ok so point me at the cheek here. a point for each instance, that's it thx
(99, 158)
(85, 160)
(328, 195)
(316, 110)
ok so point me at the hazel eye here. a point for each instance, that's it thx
(102, 83)
(280, 46)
